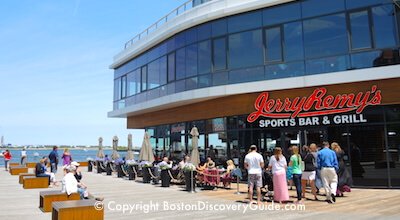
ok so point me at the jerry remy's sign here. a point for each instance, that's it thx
(319, 108)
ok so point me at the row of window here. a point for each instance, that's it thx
(319, 37)
(252, 20)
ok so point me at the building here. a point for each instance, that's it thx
(271, 73)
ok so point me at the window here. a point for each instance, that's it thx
(293, 41)
(384, 26)
(361, 3)
(360, 30)
(123, 87)
(204, 32)
(246, 49)
(171, 67)
(246, 75)
(281, 14)
(133, 82)
(273, 40)
(191, 36)
(163, 70)
(144, 78)
(219, 27)
(325, 36)
(204, 56)
(180, 63)
(244, 21)
(219, 54)
(117, 94)
(317, 7)
(191, 60)
(327, 65)
(283, 70)
(153, 74)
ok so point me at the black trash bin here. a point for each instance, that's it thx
(146, 174)
(108, 169)
(120, 172)
(90, 166)
(131, 173)
(165, 178)
(99, 166)
(190, 180)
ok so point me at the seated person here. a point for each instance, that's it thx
(184, 162)
(40, 171)
(210, 163)
(71, 185)
(226, 177)
(201, 167)
(165, 162)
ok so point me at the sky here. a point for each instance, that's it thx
(55, 83)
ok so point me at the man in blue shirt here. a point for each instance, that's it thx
(53, 157)
(328, 164)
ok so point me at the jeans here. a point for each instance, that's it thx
(53, 167)
(297, 183)
(23, 160)
(6, 164)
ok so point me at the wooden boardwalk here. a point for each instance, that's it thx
(19, 203)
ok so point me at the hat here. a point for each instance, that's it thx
(74, 163)
(71, 168)
(65, 167)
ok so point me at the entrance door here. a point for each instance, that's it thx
(303, 136)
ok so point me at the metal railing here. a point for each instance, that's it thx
(174, 13)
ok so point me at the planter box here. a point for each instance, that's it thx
(120, 173)
(99, 165)
(190, 180)
(146, 174)
(108, 169)
(165, 178)
(131, 173)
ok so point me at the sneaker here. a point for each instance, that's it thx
(333, 198)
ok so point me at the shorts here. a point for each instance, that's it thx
(255, 180)
(308, 175)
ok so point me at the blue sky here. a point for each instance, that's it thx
(55, 84)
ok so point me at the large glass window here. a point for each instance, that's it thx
(219, 27)
(204, 32)
(361, 3)
(283, 70)
(123, 86)
(246, 74)
(360, 30)
(312, 8)
(133, 82)
(282, 13)
(204, 56)
(325, 36)
(143, 78)
(293, 41)
(219, 54)
(384, 26)
(273, 40)
(117, 94)
(246, 21)
(191, 60)
(180, 63)
(153, 74)
(327, 65)
(246, 49)
(171, 67)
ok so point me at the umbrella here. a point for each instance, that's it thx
(100, 153)
(146, 153)
(115, 154)
(129, 153)
(195, 157)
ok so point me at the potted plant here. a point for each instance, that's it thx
(131, 165)
(165, 177)
(146, 169)
(190, 177)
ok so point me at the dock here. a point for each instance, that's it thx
(124, 199)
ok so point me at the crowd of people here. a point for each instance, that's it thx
(319, 168)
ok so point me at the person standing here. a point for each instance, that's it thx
(328, 164)
(254, 163)
(344, 177)
(67, 158)
(295, 161)
(7, 157)
(278, 165)
(309, 173)
(53, 157)
(23, 156)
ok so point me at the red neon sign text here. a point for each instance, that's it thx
(318, 100)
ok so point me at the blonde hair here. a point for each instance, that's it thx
(335, 146)
(230, 163)
(277, 153)
(66, 150)
(295, 150)
(313, 147)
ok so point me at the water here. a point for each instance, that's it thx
(77, 154)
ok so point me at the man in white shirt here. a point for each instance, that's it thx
(254, 163)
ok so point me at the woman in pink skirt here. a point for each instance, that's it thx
(278, 165)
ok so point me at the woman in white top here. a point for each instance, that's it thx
(278, 165)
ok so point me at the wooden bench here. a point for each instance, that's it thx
(33, 182)
(83, 163)
(31, 164)
(16, 170)
(77, 210)
(14, 164)
(21, 177)
(46, 198)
